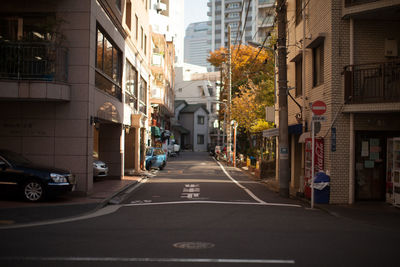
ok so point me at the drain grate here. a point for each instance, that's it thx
(194, 245)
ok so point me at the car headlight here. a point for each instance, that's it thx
(94, 165)
(58, 178)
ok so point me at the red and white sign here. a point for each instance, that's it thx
(318, 107)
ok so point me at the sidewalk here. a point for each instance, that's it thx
(380, 214)
(16, 211)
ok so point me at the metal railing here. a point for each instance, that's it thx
(33, 61)
(372, 83)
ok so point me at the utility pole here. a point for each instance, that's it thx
(284, 174)
(228, 132)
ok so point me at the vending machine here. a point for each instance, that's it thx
(396, 171)
(318, 162)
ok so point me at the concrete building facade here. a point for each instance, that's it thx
(81, 86)
(346, 54)
(195, 85)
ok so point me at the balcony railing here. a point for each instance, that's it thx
(348, 3)
(372, 83)
(33, 61)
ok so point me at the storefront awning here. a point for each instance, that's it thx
(155, 131)
(292, 129)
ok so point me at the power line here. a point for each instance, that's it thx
(244, 27)
(240, 22)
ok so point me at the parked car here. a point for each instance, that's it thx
(100, 168)
(34, 182)
(155, 158)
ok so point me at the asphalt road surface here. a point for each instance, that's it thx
(197, 212)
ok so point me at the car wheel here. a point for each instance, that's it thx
(33, 191)
(162, 165)
(148, 167)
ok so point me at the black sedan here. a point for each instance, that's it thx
(35, 182)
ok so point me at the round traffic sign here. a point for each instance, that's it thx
(318, 107)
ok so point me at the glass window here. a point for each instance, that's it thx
(131, 85)
(200, 139)
(299, 77)
(200, 119)
(108, 66)
(137, 27)
(318, 65)
(128, 20)
(299, 11)
(143, 96)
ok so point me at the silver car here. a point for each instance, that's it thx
(100, 169)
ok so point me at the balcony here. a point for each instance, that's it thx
(40, 69)
(372, 83)
(33, 61)
(263, 3)
(371, 9)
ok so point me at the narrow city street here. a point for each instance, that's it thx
(198, 212)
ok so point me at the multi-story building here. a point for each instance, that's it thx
(74, 82)
(250, 20)
(197, 48)
(195, 85)
(162, 86)
(167, 18)
(264, 21)
(346, 54)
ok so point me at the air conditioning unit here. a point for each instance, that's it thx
(391, 49)
(161, 7)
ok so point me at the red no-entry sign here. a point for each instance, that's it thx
(318, 107)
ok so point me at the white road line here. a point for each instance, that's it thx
(241, 186)
(104, 211)
(212, 202)
(117, 259)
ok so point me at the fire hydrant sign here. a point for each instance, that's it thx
(318, 107)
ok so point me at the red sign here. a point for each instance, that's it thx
(318, 162)
(318, 107)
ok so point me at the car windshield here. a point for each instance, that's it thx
(14, 158)
(148, 152)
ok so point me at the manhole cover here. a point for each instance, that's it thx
(194, 245)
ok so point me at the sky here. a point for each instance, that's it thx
(195, 11)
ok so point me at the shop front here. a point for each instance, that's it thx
(375, 165)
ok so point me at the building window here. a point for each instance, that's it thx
(118, 4)
(145, 44)
(131, 85)
(108, 65)
(180, 90)
(137, 26)
(318, 65)
(233, 15)
(200, 120)
(299, 11)
(299, 77)
(200, 139)
(143, 96)
(141, 37)
(128, 15)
